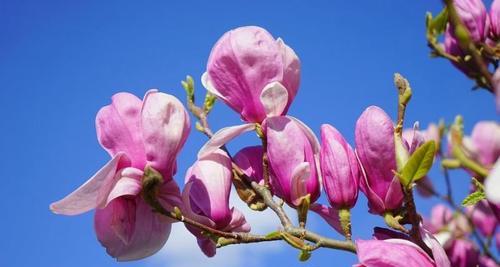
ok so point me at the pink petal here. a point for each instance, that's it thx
(238, 222)
(129, 183)
(300, 175)
(148, 235)
(438, 252)
(291, 71)
(492, 184)
(93, 192)
(205, 81)
(392, 253)
(329, 214)
(210, 180)
(223, 136)
(118, 128)
(166, 125)
(274, 98)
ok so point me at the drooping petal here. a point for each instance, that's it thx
(223, 136)
(150, 231)
(92, 193)
(165, 127)
(274, 98)
(118, 128)
(329, 214)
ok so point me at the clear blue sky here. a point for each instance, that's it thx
(60, 61)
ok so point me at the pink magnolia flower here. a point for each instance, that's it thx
(462, 253)
(295, 167)
(392, 253)
(206, 199)
(339, 168)
(485, 140)
(483, 218)
(495, 20)
(376, 152)
(136, 134)
(246, 64)
(486, 262)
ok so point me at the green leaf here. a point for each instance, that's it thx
(476, 196)
(418, 164)
(438, 24)
(473, 198)
(304, 255)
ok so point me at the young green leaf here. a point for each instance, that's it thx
(304, 255)
(473, 198)
(438, 24)
(418, 164)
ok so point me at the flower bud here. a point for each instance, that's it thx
(376, 152)
(244, 62)
(292, 159)
(485, 138)
(339, 167)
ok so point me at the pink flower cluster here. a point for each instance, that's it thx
(257, 76)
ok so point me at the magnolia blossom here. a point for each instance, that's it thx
(339, 168)
(483, 218)
(376, 152)
(246, 65)
(462, 253)
(292, 158)
(206, 198)
(136, 134)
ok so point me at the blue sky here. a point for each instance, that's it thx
(60, 61)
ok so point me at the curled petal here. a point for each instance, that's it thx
(274, 98)
(223, 136)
